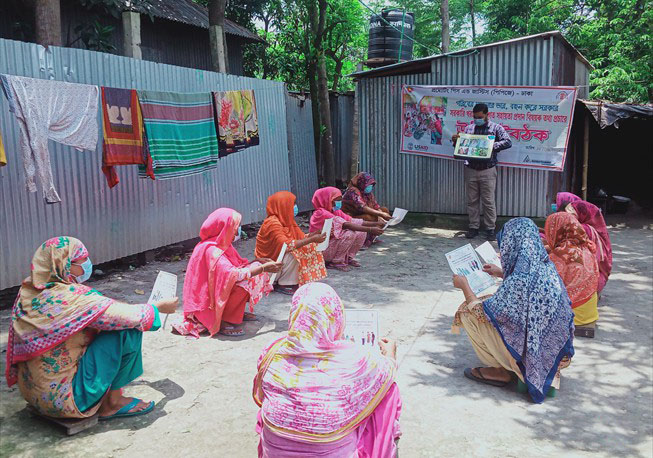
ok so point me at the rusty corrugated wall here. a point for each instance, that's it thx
(432, 185)
(137, 215)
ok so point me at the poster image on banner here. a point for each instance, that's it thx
(537, 120)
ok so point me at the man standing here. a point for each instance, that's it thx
(481, 174)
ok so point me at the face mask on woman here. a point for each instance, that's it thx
(295, 210)
(88, 270)
(368, 188)
(337, 205)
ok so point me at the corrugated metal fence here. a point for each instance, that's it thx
(431, 185)
(137, 215)
(303, 171)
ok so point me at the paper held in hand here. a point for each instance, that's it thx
(486, 250)
(397, 217)
(362, 327)
(165, 287)
(326, 229)
(464, 261)
(273, 277)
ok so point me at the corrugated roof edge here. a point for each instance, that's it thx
(190, 13)
(405, 67)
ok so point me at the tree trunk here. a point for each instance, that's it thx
(217, 36)
(355, 148)
(336, 75)
(326, 140)
(444, 12)
(311, 74)
(48, 22)
(471, 13)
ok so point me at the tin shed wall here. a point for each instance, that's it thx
(301, 150)
(432, 185)
(137, 215)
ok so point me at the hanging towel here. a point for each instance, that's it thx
(180, 133)
(251, 118)
(3, 156)
(235, 114)
(122, 128)
(55, 110)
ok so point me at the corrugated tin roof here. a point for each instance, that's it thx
(423, 65)
(191, 13)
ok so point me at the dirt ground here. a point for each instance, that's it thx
(203, 387)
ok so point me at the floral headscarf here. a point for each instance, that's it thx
(531, 309)
(313, 385)
(573, 254)
(355, 197)
(50, 306)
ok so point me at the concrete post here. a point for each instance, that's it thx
(131, 30)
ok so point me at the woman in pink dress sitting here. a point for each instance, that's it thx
(322, 395)
(219, 282)
(347, 234)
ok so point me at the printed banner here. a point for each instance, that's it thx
(537, 119)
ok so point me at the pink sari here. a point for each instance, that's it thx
(323, 203)
(321, 395)
(214, 268)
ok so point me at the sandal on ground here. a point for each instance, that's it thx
(287, 290)
(354, 263)
(470, 375)
(340, 267)
(249, 317)
(231, 331)
(125, 411)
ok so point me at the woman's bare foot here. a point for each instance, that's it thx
(498, 374)
(114, 401)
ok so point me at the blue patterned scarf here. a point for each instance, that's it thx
(531, 310)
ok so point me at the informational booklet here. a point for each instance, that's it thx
(273, 277)
(362, 326)
(470, 146)
(397, 217)
(165, 287)
(486, 250)
(326, 229)
(465, 261)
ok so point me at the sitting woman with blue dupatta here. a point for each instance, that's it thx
(526, 327)
(70, 348)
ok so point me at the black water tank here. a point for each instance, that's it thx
(385, 39)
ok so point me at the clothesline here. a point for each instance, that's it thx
(167, 134)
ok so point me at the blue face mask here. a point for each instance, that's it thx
(337, 205)
(295, 210)
(88, 270)
(554, 208)
(368, 189)
(479, 122)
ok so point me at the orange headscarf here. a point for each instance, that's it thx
(573, 254)
(279, 227)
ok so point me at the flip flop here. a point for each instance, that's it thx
(340, 267)
(249, 317)
(470, 375)
(231, 331)
(354, 263)
(125, 411)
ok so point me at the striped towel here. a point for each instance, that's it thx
(180, 132)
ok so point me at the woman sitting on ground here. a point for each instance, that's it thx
(302, 263)
(573, 254)
(347, 234)
(526, 327)
(359, 202)
(70, 348)
(591, 218)
(322, 395)
(219, 282)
